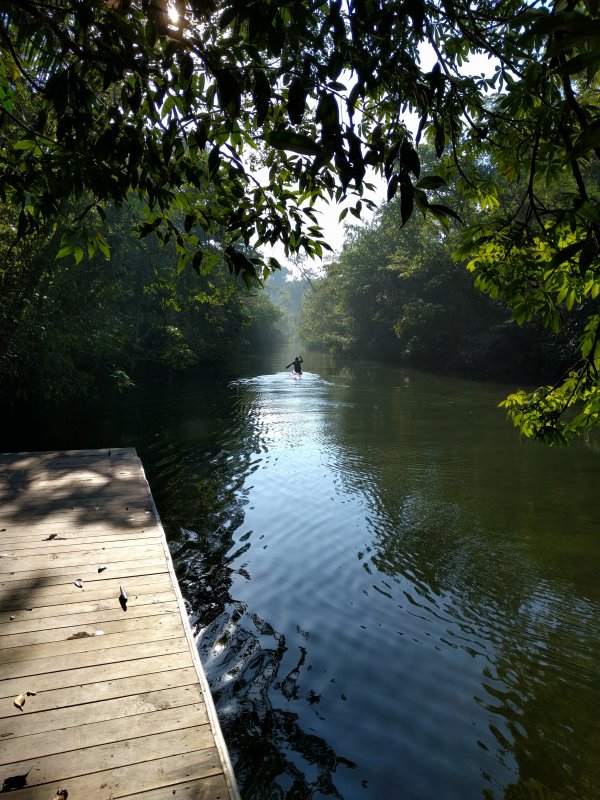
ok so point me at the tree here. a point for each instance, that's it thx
(99, 324)
(395, 293)
(264, 107)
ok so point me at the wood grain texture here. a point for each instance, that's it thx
(119, 705)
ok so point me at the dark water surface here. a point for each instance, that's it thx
(393, 597)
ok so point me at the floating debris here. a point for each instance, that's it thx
(78, 583)
(79, 635)
(61, 794)
(123, 598)
(102, 568)
(53, 536)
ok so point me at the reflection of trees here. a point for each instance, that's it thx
(538, 648)
(443, 540)
(441, 543)
(274, 755)
(202, 506)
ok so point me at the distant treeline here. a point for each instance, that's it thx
(396, 293)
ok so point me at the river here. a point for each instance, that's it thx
(393, 596)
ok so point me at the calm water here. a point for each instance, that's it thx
(393, 597)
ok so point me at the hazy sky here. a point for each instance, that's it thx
(329, 214)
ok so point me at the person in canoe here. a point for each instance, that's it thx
(297, 363)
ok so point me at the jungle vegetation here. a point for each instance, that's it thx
(229, 119)
(400, 293)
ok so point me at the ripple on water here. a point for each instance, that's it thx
(375, 605)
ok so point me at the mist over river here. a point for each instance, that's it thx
(393, 596)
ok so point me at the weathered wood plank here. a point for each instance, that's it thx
(21, 546)
(111, 784)
(81, 516)
(23, 625)
(83, 606)
(51, 769)
(28, 538)
(62, 661)
(87, 572)
(87, 557)
(92, 734)
(120, 706)
(75, 506)
(100, 589)
(212, 788)
(99, 628)
(87, 643)
(95, 531)
(98, 673)
(100, 691)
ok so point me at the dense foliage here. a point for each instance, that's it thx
(263, 107)
(396, 293)
(87, 325)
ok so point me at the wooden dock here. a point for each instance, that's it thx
(116, 703)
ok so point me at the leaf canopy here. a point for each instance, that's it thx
(264, 107)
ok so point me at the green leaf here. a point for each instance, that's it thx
(440, 139)
(392, 187)
(406, 200)
(409, 158)
(296, 101)
(588, 140)
(431, 182)
(437, 208)
(295, 142)
(566, 253)
(229, 92)
(214, 159)
(103, 245)
(589, 251)
(579, 63)
(186, 66)
(227, 17)
(25, 144)
(261, 95)
(65, 250)
(589, 211)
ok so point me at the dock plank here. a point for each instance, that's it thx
(79, 629)
(98, 589)
(121, 706)
(118, 708)
(109, 731)
(163, 774)
(82, 642)
(63, 661)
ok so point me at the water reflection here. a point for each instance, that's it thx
(254, 675)
(375, 610)
(475, 582)
(392, 597)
